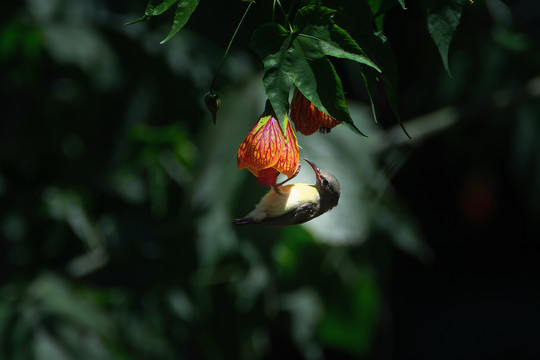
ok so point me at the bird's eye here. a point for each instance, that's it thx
(325, 182)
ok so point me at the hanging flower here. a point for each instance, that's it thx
(267, 151)
(288, 161)
(307, 118)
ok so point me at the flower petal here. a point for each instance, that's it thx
(327, 123)
(290, 156)
(301, 115)
(267, 177)
(307, 118)
(262, 147)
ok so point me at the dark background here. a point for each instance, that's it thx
(117, 195)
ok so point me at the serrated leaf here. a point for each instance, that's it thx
(183, 13)
(268, 38)
(358, 22)
(300, 58)
(319, 36)
(316, 48)
(272, 43)
(331, 94)
(278, 79)
(442, 21)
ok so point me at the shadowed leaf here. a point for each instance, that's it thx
(153, 8)
(299, 58)
(442, 21)
(183, 13)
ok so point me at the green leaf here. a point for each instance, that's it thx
(144, 17)
(357, 18)
(271, 42)
(374, 5)
(370, 88)
(380, 7)
(319, 36)
(268, 38)
(386, 58)
(300, 58)
(157, 7)
(331, 96)
(316, 47)
(442, 20)
(153, 8)
(183, 13)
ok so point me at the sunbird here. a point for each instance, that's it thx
(295, 203)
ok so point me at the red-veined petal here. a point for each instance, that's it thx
(307, 118)
(262, 147)
(290, 156)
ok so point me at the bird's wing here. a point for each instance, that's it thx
(298, 203)
(297, 216)
(293, 204)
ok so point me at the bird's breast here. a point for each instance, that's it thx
(302, 194)
(291, 197)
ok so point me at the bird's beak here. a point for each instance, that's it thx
(315, 168)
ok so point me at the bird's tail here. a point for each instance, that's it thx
(243, 221)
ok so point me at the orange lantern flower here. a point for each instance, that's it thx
(307, 118)
(267, 151)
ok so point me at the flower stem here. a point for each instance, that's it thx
(229, 47)
(288, 17)
(285, 15)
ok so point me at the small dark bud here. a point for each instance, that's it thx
(212, 101)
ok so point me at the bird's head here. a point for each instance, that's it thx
(327, 185)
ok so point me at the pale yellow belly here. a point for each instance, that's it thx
(292, 196)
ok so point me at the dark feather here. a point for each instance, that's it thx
(244, 221)
(297, 216)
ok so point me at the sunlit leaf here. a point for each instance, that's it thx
(183, 13)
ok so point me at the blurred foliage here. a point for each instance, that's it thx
(117, 191)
